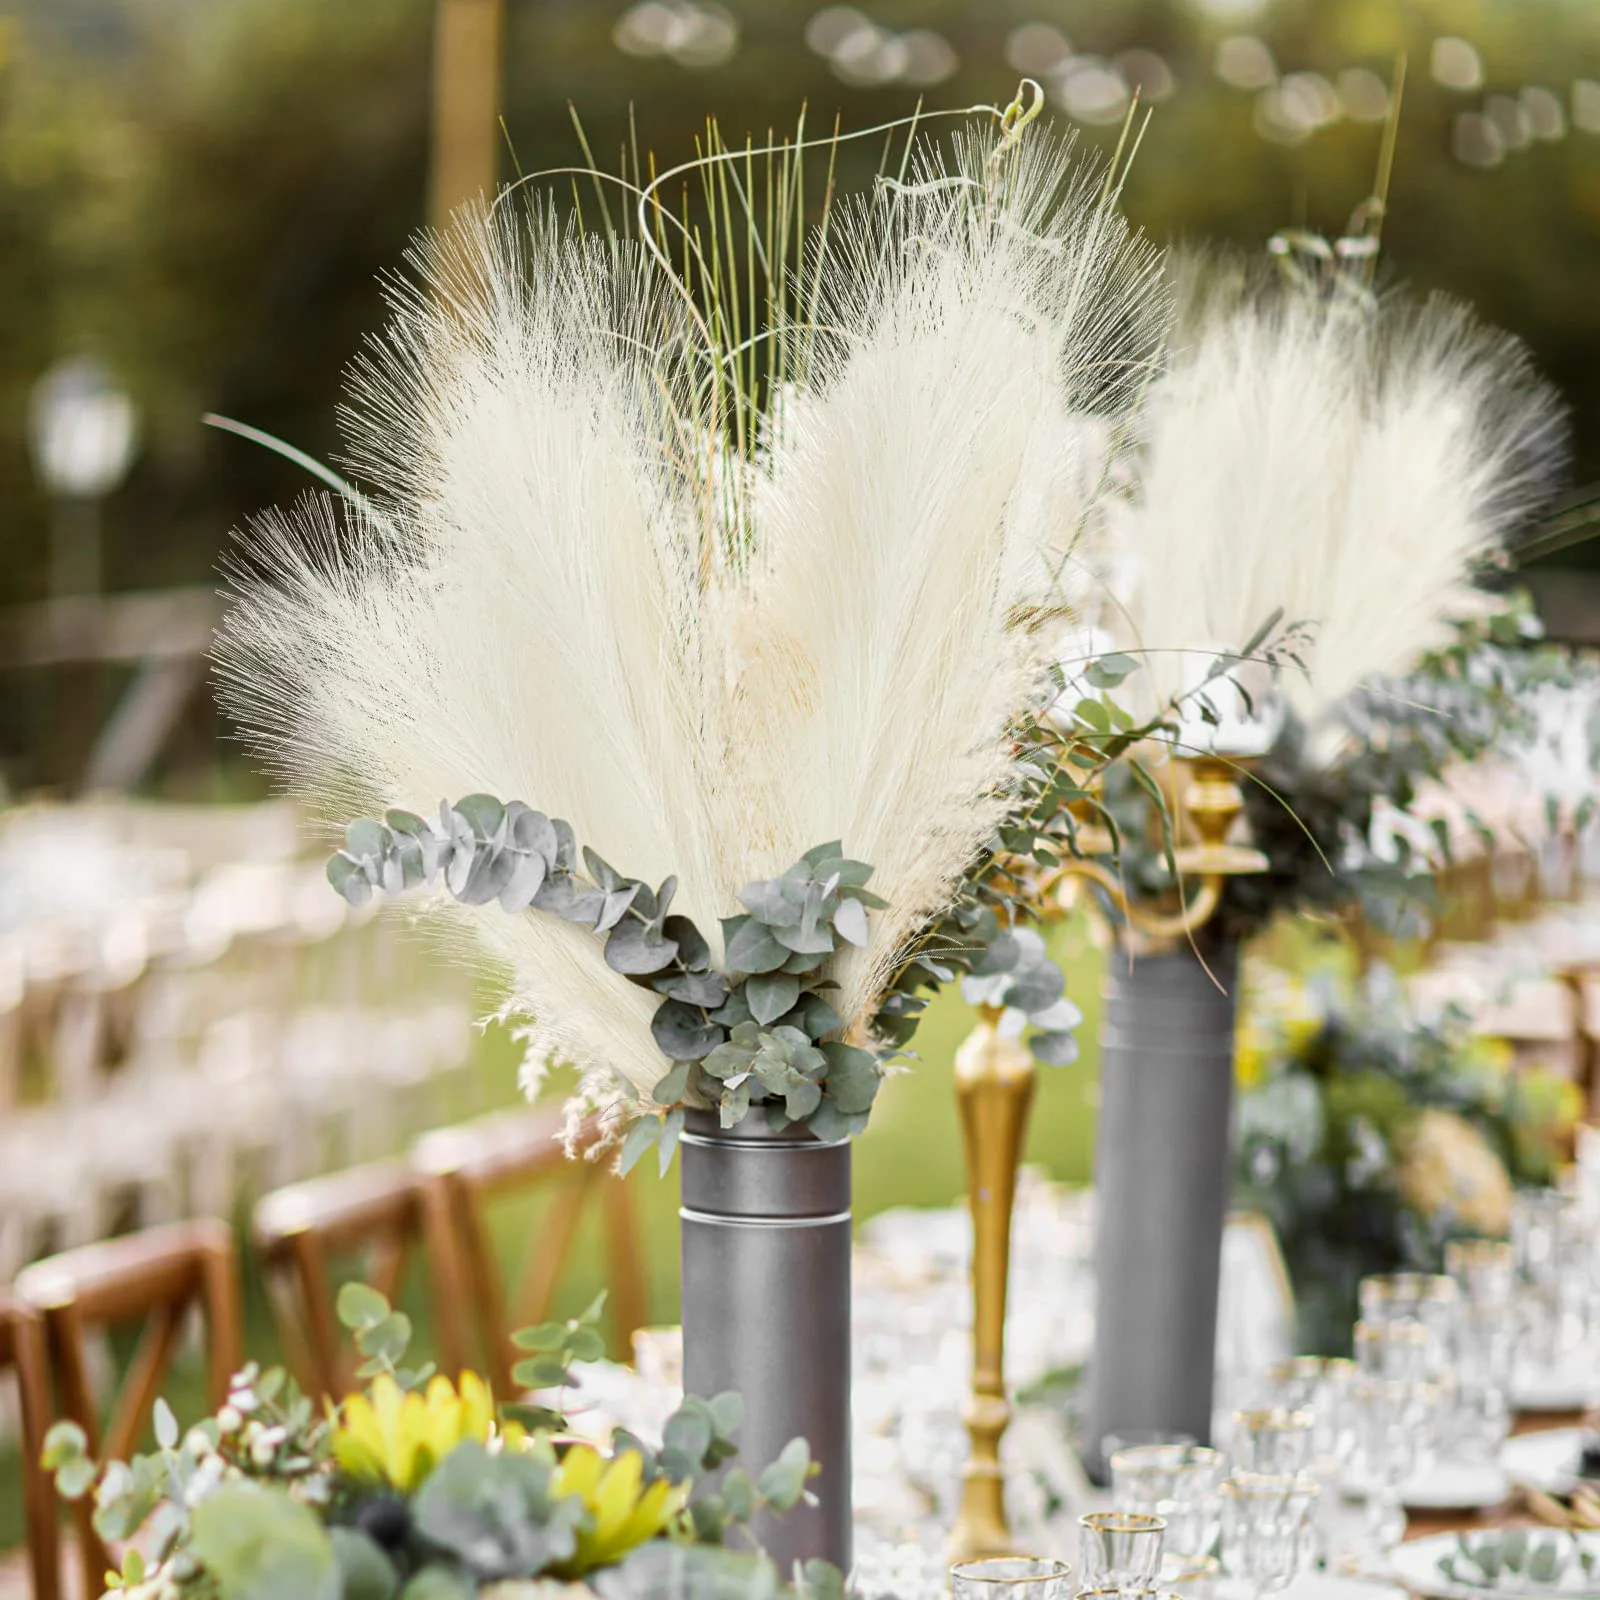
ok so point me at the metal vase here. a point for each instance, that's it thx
(1162, 1178)
(766, 1308)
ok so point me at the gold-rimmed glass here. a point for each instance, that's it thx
(1272, 1440)
(1120, 1550)
(1267, 1536)
(1177, 1483)
(1402, 1350)
(1011, 1578)
(1484, 1270)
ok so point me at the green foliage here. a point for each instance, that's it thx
(756, 1035)
(257, 1503)
(260, 1544)
(494, 1516)
(1313, 817)
(1330, 1102)
(553, 1347)
(381, 1335)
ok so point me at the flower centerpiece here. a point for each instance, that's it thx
(1369, 1139)
(422, 1485)
(725, 590)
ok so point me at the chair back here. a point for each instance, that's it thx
(158, 1277)
(22, 1351)
(374, 1213)
(517, 1152)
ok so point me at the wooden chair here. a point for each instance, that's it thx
(374, 1211)
(158, 1276)
(22, 1350)
(518, 1151)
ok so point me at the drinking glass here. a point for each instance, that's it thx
(1267, 1529)
(1391, 1446)
(1120, 1439)
(1273, 1441)
(1324, 1386)
(1320, 1385)
(1120, 1550)
(1175, 1482)
(1400, 1348)
(1430, 1298)
(1553, 1256)
(1484, 1270)
(1011, 1578)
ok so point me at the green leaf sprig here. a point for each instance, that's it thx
(761, 1034)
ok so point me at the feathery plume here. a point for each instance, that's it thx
(1348, 467)
(573, 587)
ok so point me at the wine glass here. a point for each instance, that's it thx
(1267, 1529)
(1272, 1441)
(1011, 1578)
(1177, 1483)
(1120, 1550)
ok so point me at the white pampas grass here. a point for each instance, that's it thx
(551, 599)
(1345, 467)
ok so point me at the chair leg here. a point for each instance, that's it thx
(447, 1275)
(38, 1493)
(219, 1276)
(625, 1266)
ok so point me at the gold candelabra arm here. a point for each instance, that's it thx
(994, 1078)
(1191, 916)
(1211, 802)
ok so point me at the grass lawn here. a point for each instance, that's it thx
(910, 1156)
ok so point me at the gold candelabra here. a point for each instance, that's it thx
(994, 1080)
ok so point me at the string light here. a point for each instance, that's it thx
(692, 33)
(1455, 64)
(1244, 61)
(865, 55)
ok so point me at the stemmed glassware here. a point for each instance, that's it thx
(1485, 1343)
(1272, 1441)
(1554, 1260)
(1267, 1521)
(1177, 1483)
(1391, 1446)
(1120, 1550)
(1011, 1578)
(1324, 1386)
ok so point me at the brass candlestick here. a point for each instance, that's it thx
(995, 1076)
(994, 1091)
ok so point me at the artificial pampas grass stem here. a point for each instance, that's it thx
(710, 590)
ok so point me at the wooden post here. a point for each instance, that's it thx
(466, 104)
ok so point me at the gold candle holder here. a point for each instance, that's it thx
(994, 1080)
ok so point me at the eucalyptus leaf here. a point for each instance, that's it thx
(851, 922)
(632, 949)
(751, 946)
(782, 1483)
(483, 814)
(770, 995)
(682, 1034)
(640, 1136)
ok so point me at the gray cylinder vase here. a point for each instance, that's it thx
(766, 1308)
(1162, 1180)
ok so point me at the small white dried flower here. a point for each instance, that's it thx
(207, 1476)
(264, 1444)
(244, 1400)
(229, 1420)
(198, 1443)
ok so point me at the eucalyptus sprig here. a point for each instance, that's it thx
(761, 1033)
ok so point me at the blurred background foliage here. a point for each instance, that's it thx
(204, 194)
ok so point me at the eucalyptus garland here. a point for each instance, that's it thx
(761, 1034)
